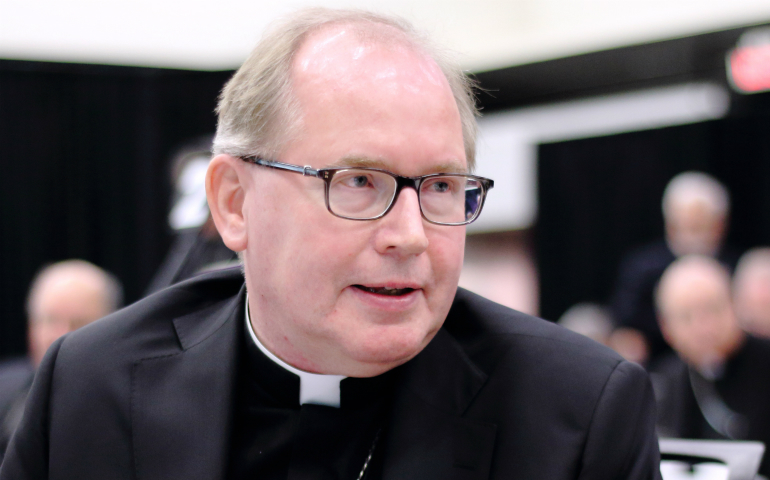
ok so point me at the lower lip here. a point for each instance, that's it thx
(392, 303)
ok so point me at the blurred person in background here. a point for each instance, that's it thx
(717, 385)
(595, 322)
(63, 297)
(588, 319)
(751, 290)
(630, 344)
(197, 246)
(695, 208)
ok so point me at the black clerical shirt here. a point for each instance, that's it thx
(274, 437)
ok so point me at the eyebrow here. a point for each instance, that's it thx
(357, 161)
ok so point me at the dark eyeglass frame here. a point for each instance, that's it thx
(327, 174)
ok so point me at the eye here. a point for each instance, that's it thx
(440, 186)
(355, 180)
(359, 181)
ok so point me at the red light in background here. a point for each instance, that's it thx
(749, 68)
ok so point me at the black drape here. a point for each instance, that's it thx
(84, 151)
(599, 197)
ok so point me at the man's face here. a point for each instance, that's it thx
(694, 228)
(698, 319)
(316, 282)
(65, 302)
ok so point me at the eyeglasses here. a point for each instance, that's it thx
(370, 193)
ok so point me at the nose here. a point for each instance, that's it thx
(402, 231)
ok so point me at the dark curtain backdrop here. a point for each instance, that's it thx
(600, 197)
(84, 153)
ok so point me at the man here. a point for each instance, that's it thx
(695, 213)
(341, 176)
(718, 384)
(63, 297)
(751, 288)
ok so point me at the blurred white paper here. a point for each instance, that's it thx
(676, 470)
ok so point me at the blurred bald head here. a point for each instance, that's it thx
(696, 312)
(751, 291)
(64, 297)
(695, 211)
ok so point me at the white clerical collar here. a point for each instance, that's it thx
(314, 388)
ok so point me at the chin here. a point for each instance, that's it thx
(390, 348)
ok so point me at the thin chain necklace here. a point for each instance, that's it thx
(369, 457)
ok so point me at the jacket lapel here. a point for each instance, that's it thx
(181, 402)
(181, 406)
(427, 437)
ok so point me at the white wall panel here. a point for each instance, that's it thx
(508, 140)
(218, 34)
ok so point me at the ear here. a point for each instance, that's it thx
(225, 193)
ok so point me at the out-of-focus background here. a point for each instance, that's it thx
(590, 109)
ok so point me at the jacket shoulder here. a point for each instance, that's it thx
(555, 394)
(151, 326)
(487, 330)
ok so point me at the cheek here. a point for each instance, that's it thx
(447, 250)
(446, 258)
(315, 255)
(677, 336)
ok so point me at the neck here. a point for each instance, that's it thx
(314, 388)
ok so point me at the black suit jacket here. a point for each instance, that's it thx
(147, 394)
(15, 379)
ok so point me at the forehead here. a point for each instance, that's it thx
(690, 287)
(68, 285)
(374, 100)
(346, 54)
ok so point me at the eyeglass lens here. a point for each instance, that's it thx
(363, 194)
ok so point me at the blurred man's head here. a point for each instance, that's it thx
(751, 291)
(64, 297)
(342, 89)
(588, 319)
(696, 313)
(631, 344)
(695, 211)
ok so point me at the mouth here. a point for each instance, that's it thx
(390, 292)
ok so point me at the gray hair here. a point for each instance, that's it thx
(691, 187)
(111, 288)
(588, 319)
(258, 113)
